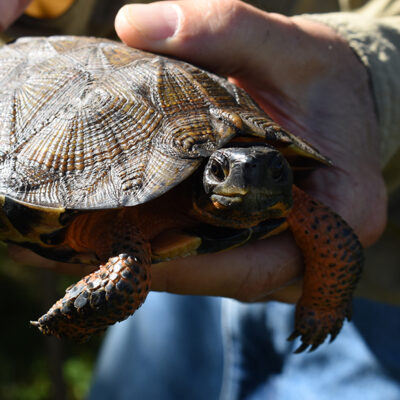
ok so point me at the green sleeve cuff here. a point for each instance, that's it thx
(376, 41)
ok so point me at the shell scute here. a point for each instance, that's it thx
(89, 123)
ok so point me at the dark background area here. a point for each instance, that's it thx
(32, 366)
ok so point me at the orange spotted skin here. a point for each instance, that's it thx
(121, 240)
(333, 258)
(111, 293)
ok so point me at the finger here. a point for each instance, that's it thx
(10, 10)
(27, 257)
(199, 31)
(247, 273)
(287, 294)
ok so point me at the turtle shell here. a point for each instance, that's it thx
(90, 123)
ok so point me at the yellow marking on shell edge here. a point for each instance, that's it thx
(294, 150)
(49, 222)
(7, 230)
(170, 245)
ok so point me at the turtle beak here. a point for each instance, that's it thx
(248, 179)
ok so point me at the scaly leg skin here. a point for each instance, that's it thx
(110, 294)
(333, 258)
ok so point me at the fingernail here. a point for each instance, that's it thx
(155, 21)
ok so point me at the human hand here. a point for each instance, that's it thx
(10, 10)
(309, 80)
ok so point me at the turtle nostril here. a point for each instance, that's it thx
(277, 168)
(218, 171)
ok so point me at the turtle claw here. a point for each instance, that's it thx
(313, 347)
(314, 326)
(301, 348)
(306, 344)
(335, 331)
(295, 334)
(110, 294)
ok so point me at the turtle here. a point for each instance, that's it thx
(120, 158)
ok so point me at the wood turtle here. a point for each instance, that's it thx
(119, 158)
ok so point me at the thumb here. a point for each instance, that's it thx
(226, 36)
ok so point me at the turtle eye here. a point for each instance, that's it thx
(217, 170)
(277, 168)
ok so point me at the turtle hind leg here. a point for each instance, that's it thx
(333, 258)
(108, 295)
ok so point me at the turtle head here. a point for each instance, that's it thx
(243, 186)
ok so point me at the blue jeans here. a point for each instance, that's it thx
(182, 347)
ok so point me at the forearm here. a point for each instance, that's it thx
(376, 41)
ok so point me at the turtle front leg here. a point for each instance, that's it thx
(333, 258)
(110, 294)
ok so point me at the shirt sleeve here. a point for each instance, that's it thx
(376, 41)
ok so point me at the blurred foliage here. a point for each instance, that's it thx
(34, 367)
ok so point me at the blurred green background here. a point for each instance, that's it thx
(34, 367)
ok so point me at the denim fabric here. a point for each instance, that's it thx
(173, 349)
(362, 363)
